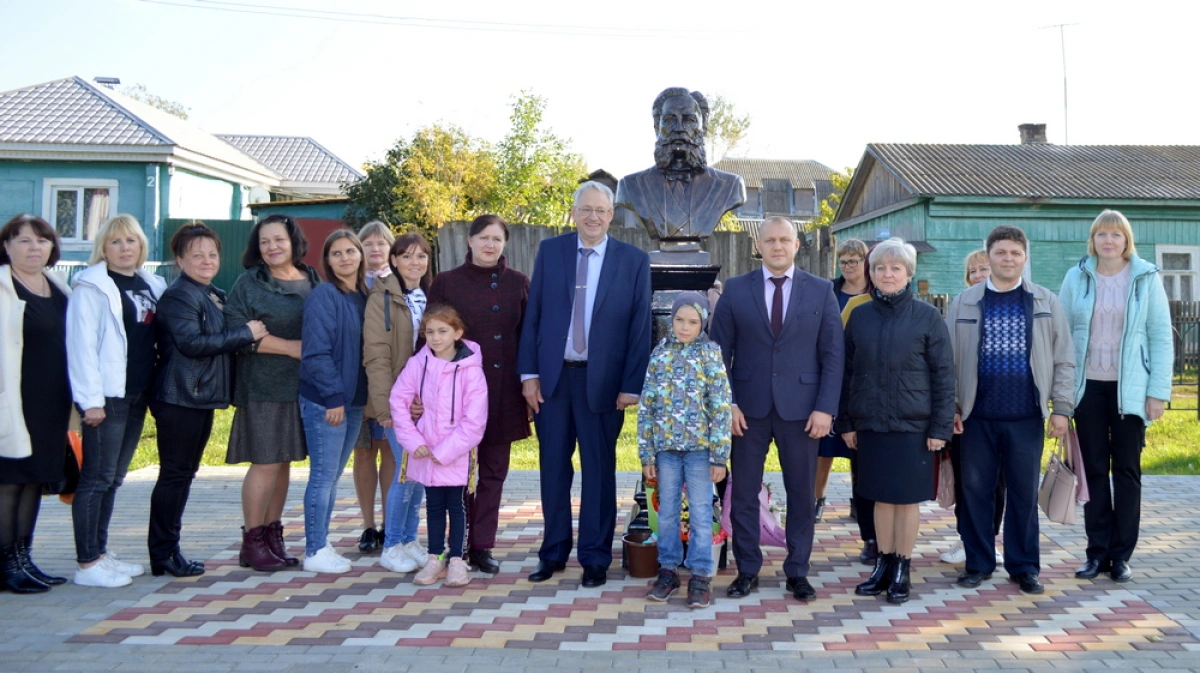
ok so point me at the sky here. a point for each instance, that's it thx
(819, 80)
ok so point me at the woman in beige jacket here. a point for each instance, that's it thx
(394, 311)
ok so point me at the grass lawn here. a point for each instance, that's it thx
(1172, 444)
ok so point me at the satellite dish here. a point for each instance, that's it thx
(259, 194)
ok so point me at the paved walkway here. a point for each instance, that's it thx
(234, 620)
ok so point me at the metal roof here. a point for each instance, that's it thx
(800, 173)
(296, 158)
(75, 112)
(1045, 171)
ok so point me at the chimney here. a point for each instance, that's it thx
(1033, 134)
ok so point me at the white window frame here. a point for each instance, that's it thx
(1170, 276)
(50, 204)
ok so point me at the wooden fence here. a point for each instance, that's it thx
(733, 250)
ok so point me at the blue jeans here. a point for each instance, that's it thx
(329, 447)
(107, 451)
(402, 512)
(674, 469)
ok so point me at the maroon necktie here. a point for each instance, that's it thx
(777, 306)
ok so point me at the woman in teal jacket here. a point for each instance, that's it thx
(1121, 327)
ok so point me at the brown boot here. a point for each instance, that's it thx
(274, 537)
(255, 553)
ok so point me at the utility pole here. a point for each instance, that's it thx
(1062, 37)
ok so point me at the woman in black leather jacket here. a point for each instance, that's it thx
(897, 408)
(195, 376)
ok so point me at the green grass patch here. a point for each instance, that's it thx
(1172, 444)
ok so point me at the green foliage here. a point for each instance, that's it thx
(536, 173)
(139, 93)
(726, 128)
(827, 210)
(443, 174)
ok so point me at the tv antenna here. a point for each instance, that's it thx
(1062, 38)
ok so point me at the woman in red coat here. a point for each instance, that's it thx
(491, 299)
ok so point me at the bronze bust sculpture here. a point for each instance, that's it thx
(680, 199)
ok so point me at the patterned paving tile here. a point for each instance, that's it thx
(371, 606)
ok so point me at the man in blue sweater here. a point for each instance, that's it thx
(1015, 367)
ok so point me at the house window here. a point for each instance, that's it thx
(1179, 266)
(77, 208)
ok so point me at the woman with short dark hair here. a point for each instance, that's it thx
(37, 392)
(491, 299)
(266, 431)
(195, 376)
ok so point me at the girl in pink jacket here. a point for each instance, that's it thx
(447, 377)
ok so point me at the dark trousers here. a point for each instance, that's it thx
(989, 448)
(1110, 441)
(864, 507)
(182, 435)
(956, 467)
(565, 418)
(107, 452)
(483, 506)
(442, 502)
(798, 458)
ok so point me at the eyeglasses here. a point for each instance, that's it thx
(849, 263)
(588, 212)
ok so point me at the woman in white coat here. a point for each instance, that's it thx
(111, 352)
(33, 315)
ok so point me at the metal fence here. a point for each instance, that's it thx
(167, 270)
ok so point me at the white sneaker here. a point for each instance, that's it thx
(326, 561)
(999, 555)
(397, 560)
(956, 555)
(100, 575)
(115, 564)
(417, 553)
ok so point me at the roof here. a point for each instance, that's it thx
(75, 113)
(800, 173)
(296, 158)
(1045, 171)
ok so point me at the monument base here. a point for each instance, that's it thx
(682, 276)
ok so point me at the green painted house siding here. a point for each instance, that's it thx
(1057, 232)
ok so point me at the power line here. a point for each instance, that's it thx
(434, 23)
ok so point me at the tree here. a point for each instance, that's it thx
(828, 209)
(442, 174)
(536, 173)
(139, 92)
(726, 129)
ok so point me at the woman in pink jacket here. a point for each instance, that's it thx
(447, 376)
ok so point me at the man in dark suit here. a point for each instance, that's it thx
(781, 334)
(584, 349)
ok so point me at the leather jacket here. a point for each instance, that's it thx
(195, 367)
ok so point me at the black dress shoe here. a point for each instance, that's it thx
(869, 553)
(971, 579)
(177, 565)
(1029, 582)
(820, 509)
(1089, 570)
(481, 560)
(594, 576)
(1120, 571)
(742, 585)
(801, 589)
(545, 570)
(370, 541)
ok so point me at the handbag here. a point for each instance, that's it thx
(1056, 496)
(945, 480)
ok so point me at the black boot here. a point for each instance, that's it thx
(14, 576)
(481, 560)
(23, 546)
(898, 592)
(879, 578)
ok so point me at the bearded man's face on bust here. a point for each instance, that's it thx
(679, 151)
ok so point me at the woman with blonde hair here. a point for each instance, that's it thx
(111, 353)
(372, 443)
(1124, 353)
